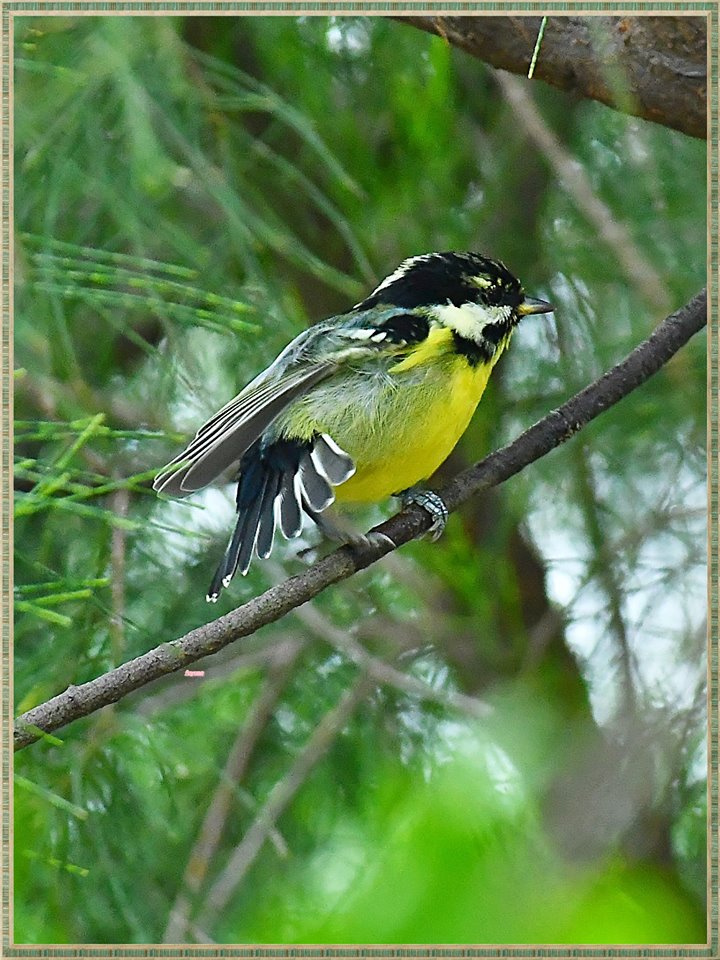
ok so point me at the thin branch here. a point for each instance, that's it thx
(615, 235)
(548, 433)
(280, 797)
(385, 673)
(217, 813)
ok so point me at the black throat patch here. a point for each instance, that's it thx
(473, 351)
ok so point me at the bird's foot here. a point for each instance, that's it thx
(361, 543)
(431, 502)
(372, 539)
(358, 542)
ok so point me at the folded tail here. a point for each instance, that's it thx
(276, 482)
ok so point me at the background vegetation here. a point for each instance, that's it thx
(191, 193)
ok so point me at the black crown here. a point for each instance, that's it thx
(449, 277)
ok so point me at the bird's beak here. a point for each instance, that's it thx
(531, 305)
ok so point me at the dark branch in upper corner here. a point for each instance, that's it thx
(548, 433)
(651, 67)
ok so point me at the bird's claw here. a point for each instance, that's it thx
(432, 503)
(371, 541)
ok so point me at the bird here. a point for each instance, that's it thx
(360, 406)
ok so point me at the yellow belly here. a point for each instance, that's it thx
(422, 424)
(398, 422)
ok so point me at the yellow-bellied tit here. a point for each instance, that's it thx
(360, 406)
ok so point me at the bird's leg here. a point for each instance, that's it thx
(334, 531)
(328, 527)
(430, 501)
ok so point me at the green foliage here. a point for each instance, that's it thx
(461, 859)
(190, 194)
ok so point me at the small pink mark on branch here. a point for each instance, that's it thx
(194, 673)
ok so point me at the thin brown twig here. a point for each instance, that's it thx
(281, 795)
(385, 673)
(615, 235)
(549, 432)
(219, 808)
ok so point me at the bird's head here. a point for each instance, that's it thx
(478, 298)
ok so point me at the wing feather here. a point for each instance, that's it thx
(290, 513)
(312, 356)
(228, 434)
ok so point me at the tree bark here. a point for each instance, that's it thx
(651, 67)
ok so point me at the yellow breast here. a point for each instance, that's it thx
(427, 405)
(398, 420)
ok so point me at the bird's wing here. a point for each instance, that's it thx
(228, 434)
(311, 357)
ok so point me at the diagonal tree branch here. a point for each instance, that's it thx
(555, 428)
(613, 233)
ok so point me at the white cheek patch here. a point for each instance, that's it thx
(470, 319)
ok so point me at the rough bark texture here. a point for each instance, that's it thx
(652, 67)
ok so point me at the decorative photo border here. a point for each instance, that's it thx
(9, 9)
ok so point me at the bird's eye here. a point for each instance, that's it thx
(493, 295)
(489, 290)
(502, 296)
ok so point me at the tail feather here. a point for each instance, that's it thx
(228, 564)
(266, 528)
(251, 487)
(317, 490)
(295, 473)
(333, 462)
(290, 506)
(252, 528)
